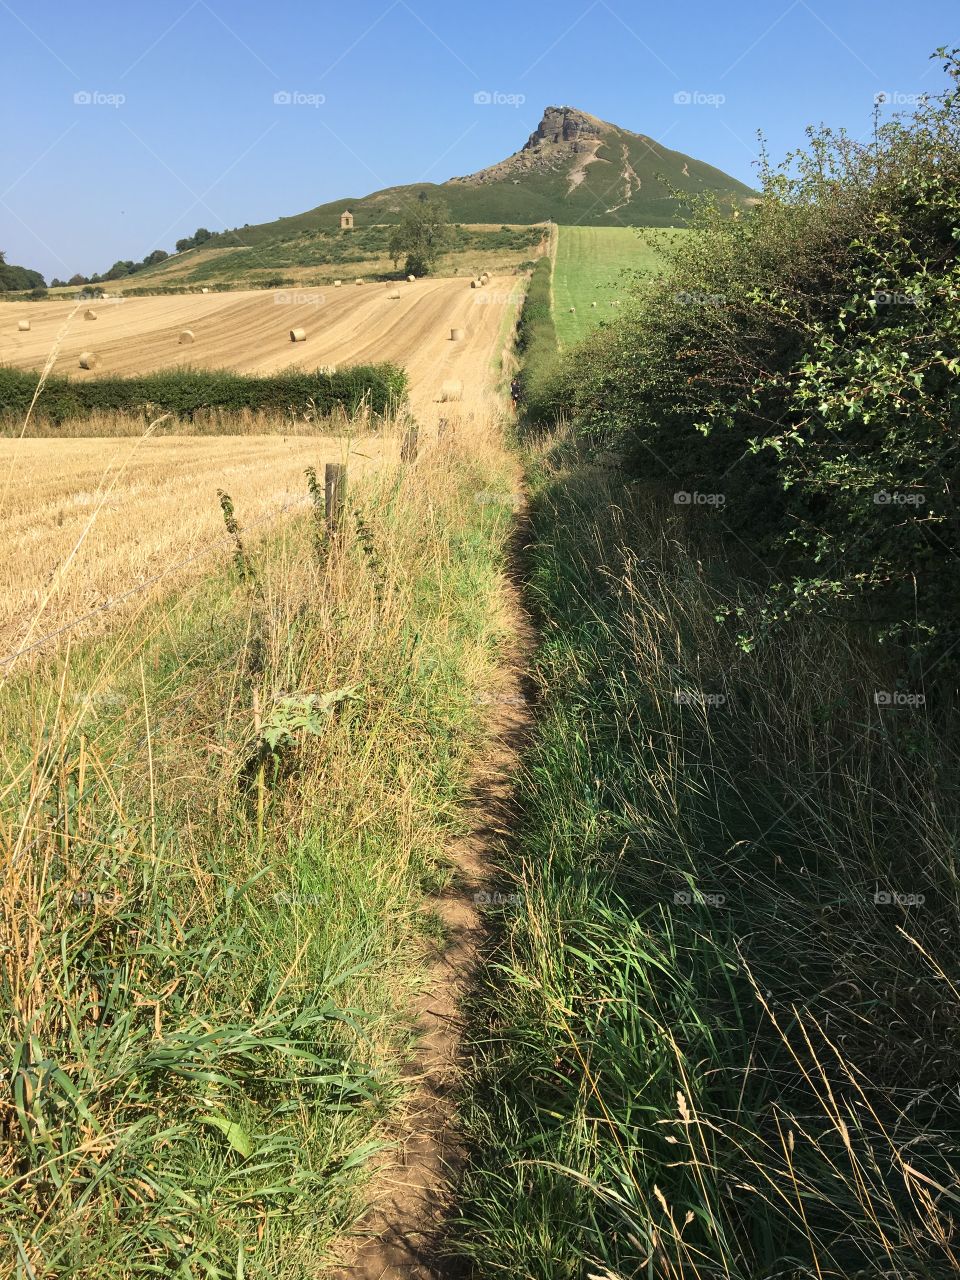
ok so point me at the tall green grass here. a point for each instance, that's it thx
(219, 824)
(596, 269)
(716, 1035)
(537, 345)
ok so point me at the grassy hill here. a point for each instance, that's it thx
(574, 168)
(318, 256)
(590, 267)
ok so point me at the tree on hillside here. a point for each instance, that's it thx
(16, 278)
(423, 234)
(158, 255)
(190, 242)
(125, 267)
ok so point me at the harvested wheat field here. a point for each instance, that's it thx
(89, 523)
(250, 331)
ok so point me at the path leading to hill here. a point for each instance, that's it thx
(413, 1187)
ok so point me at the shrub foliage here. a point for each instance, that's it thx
(537, 345)
(803, 362)
(184, 392)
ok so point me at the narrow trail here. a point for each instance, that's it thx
(412, 1190)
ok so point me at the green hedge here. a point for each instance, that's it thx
(799, 372)
(184, 392)
(537, 345)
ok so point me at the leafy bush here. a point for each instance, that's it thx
(13, 278)
(184, 392)
(803, 363)
(422, 234)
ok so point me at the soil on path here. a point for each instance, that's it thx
(413, 1188)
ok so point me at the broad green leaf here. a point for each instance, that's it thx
(237, 1136)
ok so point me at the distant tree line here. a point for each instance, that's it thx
(127, 267)
(18, 278)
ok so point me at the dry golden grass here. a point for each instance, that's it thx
(249, 331)
(85, 521)
(238, 890)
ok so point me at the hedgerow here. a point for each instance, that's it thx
(801, 366)
(537, 345)
(184, 392)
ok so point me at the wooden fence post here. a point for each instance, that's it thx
(334, 496)
(408, 450)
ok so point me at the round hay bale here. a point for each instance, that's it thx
(411, 279)
(452, 390)
(89, 314)
(593, 304)
(204, 290)
(485, 278)
(186, 337)
(359, 281)
(474, 284)
(89, 360)
(338, 284)
(298, 335)
(23, 326)
(572, 309)
(395, 296)
(456, 335)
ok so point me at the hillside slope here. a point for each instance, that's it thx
(574, 168)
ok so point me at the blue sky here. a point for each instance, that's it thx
(182, 129)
